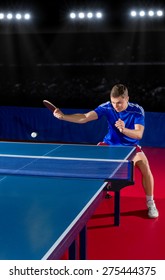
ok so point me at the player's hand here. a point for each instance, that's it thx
(120, 125)
(58, 114)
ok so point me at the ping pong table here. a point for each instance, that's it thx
(42, 214)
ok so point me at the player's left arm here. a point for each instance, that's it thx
(136, 133)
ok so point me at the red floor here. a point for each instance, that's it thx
(137, 237)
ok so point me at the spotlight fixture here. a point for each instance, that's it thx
(72, 15)
(11, 16)
(159, 13)
(18, 16)
(89, 15)
(81, 15)
(142, 13)
(86, 15)
(152, 13)
(133, 13)
(2, 16)
(99, 15)
(27, 16)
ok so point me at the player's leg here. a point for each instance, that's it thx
(141, 161)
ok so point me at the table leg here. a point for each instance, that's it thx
(83, 243)
(117, 208)
(73, 250)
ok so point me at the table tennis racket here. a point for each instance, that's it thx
(49, 105)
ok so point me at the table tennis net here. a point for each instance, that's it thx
(65, 167)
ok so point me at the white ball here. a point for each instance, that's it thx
(34, 134)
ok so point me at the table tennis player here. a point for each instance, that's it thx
(126, 122)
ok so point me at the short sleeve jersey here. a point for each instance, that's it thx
(134, 114)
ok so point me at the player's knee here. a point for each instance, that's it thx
(143, 166)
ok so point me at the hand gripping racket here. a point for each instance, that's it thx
(49, 105)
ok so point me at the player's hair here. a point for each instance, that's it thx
(119, 90)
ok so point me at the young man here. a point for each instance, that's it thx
(125, 127)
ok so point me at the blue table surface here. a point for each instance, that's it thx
(35, 211)
(66, 150)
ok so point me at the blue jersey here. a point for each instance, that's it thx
(134, 114)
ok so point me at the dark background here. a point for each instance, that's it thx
(75, 64)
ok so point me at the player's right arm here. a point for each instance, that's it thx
(75, 118)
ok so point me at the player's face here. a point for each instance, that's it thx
(119, 103)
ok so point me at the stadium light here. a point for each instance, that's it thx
(152, 13)
(85, 15)
(2, 16)
(9, 16)
(133, 13)
(27, 16)
(81, 15)
(99, 15)
(89, 15)
(72, 15)
(18, 16)
(142, 13)
(159, 13)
